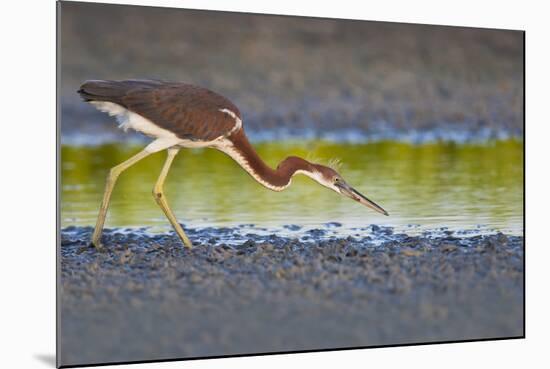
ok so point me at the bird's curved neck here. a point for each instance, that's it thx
(239, 148)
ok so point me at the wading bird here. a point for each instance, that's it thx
(180, 115)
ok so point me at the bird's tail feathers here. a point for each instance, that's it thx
(106, 90)
(97, 90)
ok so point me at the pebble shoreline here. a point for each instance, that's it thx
(273, 293)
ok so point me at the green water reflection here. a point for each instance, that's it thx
(431, 185)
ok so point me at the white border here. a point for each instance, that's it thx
(28, 182)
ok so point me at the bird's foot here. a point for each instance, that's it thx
(182, 236)
(96, 244)
(187, 244)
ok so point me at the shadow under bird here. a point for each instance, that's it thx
(181, 115)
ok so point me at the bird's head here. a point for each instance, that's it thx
(330, 178)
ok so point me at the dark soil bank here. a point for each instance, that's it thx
(146, 297)
(301, 77)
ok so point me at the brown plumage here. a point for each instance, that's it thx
(189, 111)
(181, 115)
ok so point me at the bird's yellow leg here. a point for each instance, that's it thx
(160, 198)
(111, 180)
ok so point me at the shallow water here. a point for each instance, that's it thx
(474, 188)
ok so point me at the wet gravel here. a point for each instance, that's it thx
(146, 297)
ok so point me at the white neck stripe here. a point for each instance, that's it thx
(227, 147)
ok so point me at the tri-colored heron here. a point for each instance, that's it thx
(180, 115)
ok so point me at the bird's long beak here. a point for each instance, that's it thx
(353, 194)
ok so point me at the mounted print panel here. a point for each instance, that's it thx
(240, 184)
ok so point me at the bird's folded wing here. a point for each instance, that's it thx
(189, 112)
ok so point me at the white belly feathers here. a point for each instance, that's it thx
(127, 119)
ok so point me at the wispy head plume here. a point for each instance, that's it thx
(335, 163)
(312, 158)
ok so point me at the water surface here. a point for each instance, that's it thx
(476, 188)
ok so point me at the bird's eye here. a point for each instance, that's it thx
(336, 180)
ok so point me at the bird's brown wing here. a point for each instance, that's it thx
(189, 111)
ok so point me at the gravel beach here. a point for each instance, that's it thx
(146, 297)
